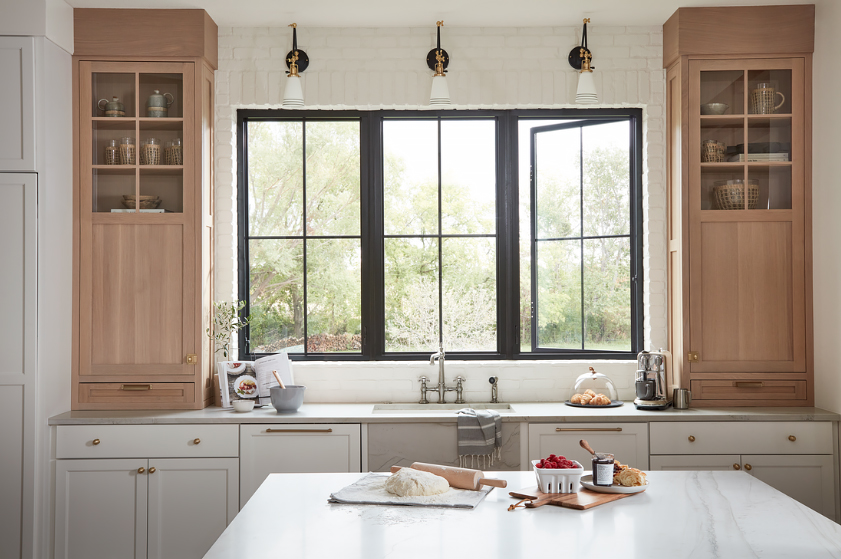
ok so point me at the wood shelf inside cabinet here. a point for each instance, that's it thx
(734, 121)
(114, 169)
(161, 170)
(782, 116)
(724, 165)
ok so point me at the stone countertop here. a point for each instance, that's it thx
(680, 515)
(364, 413)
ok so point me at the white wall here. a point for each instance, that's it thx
(494, 68)
(38, 18)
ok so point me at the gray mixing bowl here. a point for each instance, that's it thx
(287, 399)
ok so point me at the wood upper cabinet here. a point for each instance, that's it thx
(143, 220)
(739, 220)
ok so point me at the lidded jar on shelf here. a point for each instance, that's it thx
(112, 153)
(151, 152)
(599, 384)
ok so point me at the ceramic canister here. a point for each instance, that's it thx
(158, 104)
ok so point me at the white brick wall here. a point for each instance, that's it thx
(490, 68)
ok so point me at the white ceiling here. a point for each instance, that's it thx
(415, 13)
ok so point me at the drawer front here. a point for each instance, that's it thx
(809, 437)
(749, 390)
(628, 442)
(147, 441)
(136, 395)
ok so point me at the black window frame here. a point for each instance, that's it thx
(507, 229)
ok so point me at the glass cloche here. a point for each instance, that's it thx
(594, 389)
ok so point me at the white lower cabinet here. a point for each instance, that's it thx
(628, 442)
(273, 448)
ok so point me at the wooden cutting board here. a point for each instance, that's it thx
(582, 500)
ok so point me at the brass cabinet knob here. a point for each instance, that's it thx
(141, 470)
(196, 441)
(96, 442)
(792, 438)
(691, 438)
(737, 467)
(152, 470)
(748, 467)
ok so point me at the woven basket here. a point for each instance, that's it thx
(730, 195)
(712, 152)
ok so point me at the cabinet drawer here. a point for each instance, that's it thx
(628, 442)
(748, 390)
(136, 395)
(147, 441)
(742, 438)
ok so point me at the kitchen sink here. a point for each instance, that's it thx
(440, 408)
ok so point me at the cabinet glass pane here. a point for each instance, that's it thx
(715, 177)
(769, 92)
(161, 189)
(774, 183)
(106, 137)
(109, 186)
(169, 138)
(721, 138)
(106, 86)
(169, 106)
(726, 87)
(769, 139)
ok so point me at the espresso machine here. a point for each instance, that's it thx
(652, 390)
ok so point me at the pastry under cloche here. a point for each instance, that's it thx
(594, 389)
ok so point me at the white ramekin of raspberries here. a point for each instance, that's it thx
(557, 474)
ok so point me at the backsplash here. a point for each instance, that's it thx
(519, 381)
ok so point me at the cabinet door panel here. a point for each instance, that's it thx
(808, 479)
(17, 115)
(100, 509)
(701, 463)
(191, 502)
(628, 442)
(269, 449)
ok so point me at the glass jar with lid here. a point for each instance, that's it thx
(593, 389)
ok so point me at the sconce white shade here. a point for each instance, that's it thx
(440, 92)
(586, 94)
(293, 95)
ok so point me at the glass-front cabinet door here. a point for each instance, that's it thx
(746, 212)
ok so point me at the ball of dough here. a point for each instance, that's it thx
(415, 483)
(576, 399)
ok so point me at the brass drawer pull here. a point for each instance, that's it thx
(737, 467)
(96, 442)
(128, 387)
(152, 470)
(745, 384)
(567, 429)
(299, 430)
(141, 470)
(748, 467)
(691, 438)
(792, 438)
(196, 441)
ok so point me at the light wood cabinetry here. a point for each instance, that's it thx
(17, 115)
(628, 442)
(739, 222)
(142, 278)
(310, 448)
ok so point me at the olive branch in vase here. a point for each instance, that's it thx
(226, 323)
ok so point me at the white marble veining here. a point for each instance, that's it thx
(681, 515)
(364, 413)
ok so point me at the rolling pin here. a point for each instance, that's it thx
(460, 478)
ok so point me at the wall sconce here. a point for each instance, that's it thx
(438, 60)
(296, 61)
(579, 58)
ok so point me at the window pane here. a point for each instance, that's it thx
(607, 179)
(275, 178)
(557, 177)
(469, 294)
(333, 178)
(468, 176)
(559, 294)
(411, 294)
(334, 296)
(607, 294)
(410, 177)
(277, 295)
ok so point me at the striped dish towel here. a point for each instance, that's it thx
(479, 438)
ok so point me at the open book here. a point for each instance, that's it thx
(251, 380)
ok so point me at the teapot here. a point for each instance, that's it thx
(113, 107)
(158, 104)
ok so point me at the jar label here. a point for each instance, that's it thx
(603, 474)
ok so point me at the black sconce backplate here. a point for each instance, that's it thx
(575, 58)
(431, 61)
(303, 60)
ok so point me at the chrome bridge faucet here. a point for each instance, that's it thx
(441, 388)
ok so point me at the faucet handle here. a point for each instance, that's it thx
(423, 378)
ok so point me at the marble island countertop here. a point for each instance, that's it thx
(366, 413)
(681, 515)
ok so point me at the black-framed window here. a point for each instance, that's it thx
(369, 235)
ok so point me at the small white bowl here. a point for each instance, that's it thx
(714, 108)
(558, 481)
(243, 406)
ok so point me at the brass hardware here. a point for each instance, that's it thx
(196, 441)
(586, 20)
(748, 467)
(293, 65)
(439, 65)
(192, 359)
(691, 438)
(792, 438)
(152, 470)
(293, 25)
(693, 356)
(135, 387)
(440, 23)
(744, 384)
(141, 470)
(96, 442)
(565, 429)
(737, 467)
(299, 430)
(585, 60)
